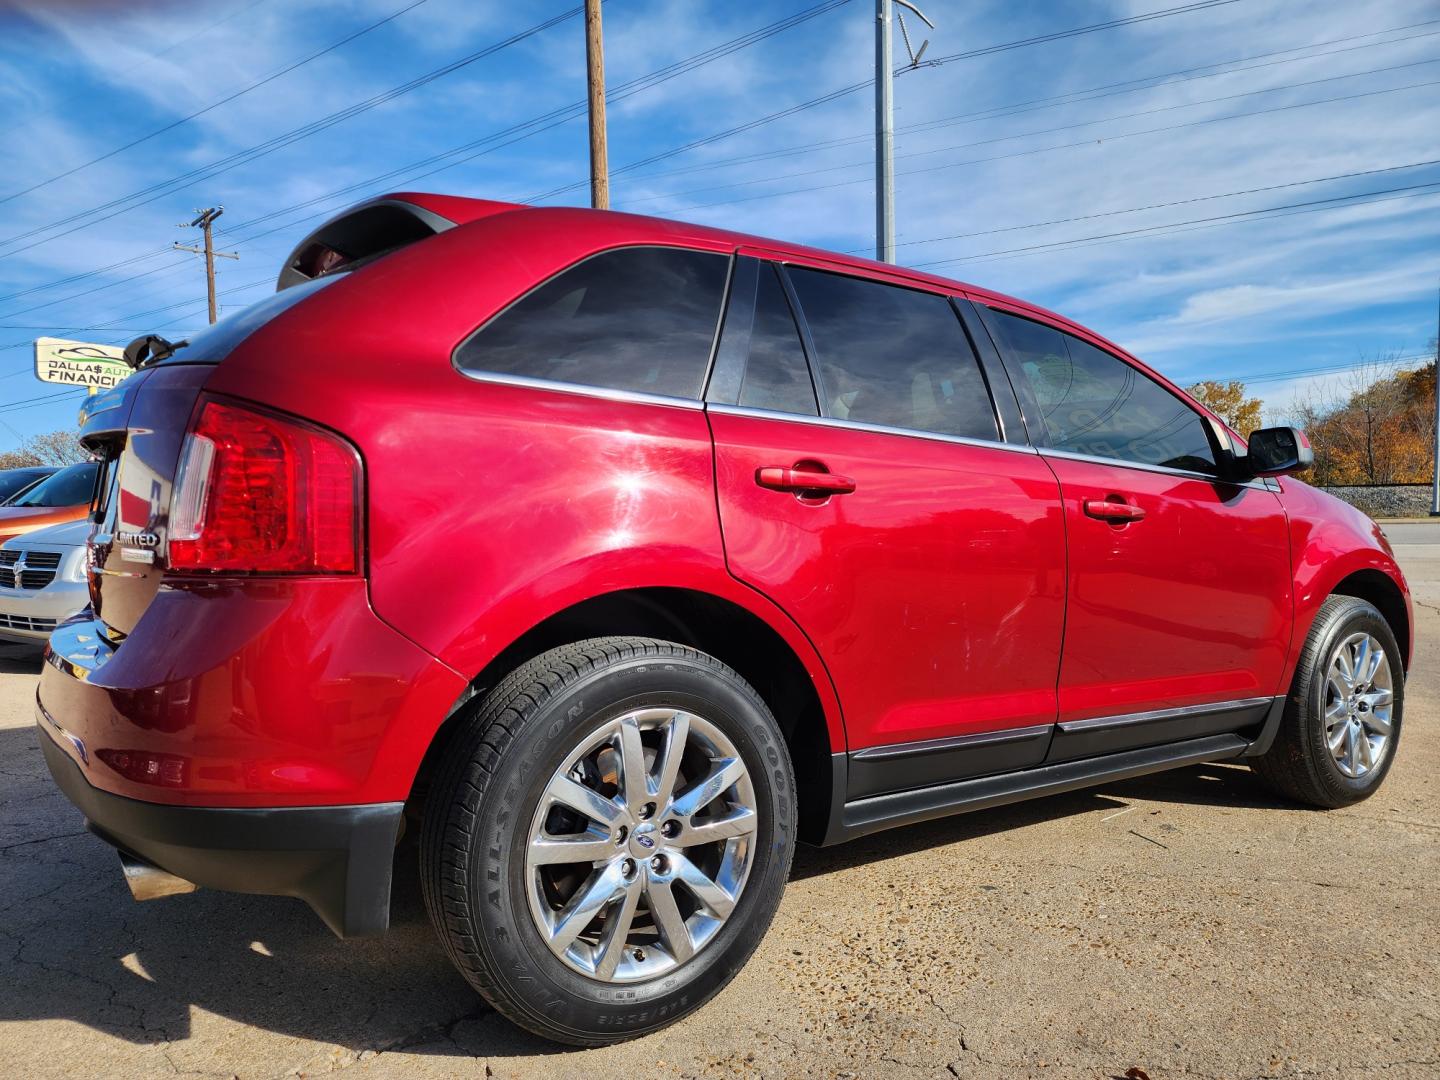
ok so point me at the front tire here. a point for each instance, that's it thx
(1341, 726)
(609, 837)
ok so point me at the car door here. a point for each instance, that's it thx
(873, 495)
(1179, 582)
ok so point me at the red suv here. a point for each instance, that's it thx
(613, 556)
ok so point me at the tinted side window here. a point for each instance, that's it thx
(776, 375)
(639, 319)
(893, 356)
(1094, 403)
(71, 486)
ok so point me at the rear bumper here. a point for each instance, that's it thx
(337, 859)
(258, 694)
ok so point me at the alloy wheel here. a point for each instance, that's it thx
(1359, 697)
(641, 845)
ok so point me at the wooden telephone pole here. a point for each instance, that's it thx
(204, 220)
(595, 71)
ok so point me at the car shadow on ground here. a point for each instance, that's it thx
(1218, 784)
(74, 945)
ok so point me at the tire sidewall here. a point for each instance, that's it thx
(1353, 617)
(533, 976)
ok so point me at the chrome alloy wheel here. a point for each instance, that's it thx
(641, 845)
(1359, 697)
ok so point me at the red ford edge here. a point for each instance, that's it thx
(613, 556)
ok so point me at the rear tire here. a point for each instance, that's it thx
(555, 735)
(1341, 726)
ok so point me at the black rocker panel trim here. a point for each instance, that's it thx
(337, 859)
(1109, 734)
(860, 817)
(900, 766)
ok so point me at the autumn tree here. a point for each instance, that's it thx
(1229, 401)
(1374, 426)
(49, 448)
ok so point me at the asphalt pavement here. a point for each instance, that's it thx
(1188, 924)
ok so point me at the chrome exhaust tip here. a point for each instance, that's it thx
(148, 882)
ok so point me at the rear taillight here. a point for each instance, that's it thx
(260, 493)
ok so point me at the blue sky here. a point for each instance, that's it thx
(997, 157)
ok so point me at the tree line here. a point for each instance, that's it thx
(1373, 425)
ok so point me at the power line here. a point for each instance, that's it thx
(259, 150)
(1061, 35)
(1070, 145)
(344, 114)
(1129, 86)
(1176, 202)
(522, 130)
(845, 91)
(1043, 131)
(85, 274)
(167, 267)
(216, 104)
(1300, 373)
(531, 127)
(538, 124)
(198, 304)
(1330, 203)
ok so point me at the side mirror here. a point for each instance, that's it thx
(1278, 450)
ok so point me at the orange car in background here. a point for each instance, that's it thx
(63, 496)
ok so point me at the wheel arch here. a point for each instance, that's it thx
(1378, 588)
(801, 698)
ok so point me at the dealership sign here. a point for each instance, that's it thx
(78, 363)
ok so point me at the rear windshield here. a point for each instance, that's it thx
(71, 486)
(214, 343)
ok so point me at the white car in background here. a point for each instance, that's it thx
(42, 581)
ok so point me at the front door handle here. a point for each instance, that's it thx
(1113, 511)
(804, 481)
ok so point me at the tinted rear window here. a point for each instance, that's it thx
(636, 319)
(893, 356)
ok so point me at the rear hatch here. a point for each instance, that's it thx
(139, 429)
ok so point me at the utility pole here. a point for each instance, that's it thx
(1435, 481)
(205, 220)
(885, 120)
(595, 75)
(884, 137)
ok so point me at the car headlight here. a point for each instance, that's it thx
(75, 566)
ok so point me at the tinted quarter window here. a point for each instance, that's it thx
(776, 376)
(1094, 403)
(893, 356)
(639, 319)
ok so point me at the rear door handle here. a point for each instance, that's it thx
(1112, 511)
(802, 481)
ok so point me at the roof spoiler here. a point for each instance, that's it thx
(377, 227)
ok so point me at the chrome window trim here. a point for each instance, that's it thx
(1097, 723)
(1121, 463)
(857, 425)
(580, 389)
